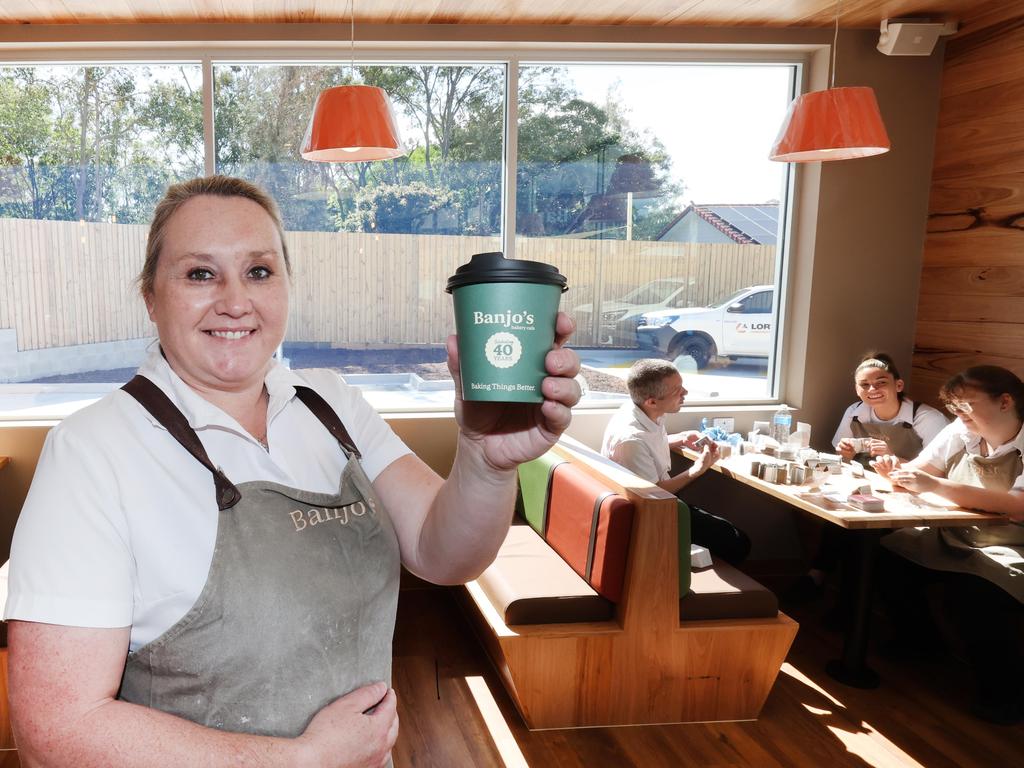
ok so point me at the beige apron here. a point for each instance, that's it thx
(298, 606)
(993, 552)
(899, 436)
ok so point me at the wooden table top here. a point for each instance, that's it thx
(902, 508)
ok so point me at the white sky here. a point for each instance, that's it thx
(717, 122)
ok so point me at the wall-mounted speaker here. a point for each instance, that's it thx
(912, 37)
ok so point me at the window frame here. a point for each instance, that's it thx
(803, 58)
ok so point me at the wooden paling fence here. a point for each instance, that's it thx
(70, 283)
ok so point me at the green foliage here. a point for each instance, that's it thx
(95, 143)
(399, 208)
(102, 143)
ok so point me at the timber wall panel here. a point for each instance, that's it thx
(971, 302)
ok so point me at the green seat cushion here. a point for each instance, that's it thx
(534, 487)
(684, 548)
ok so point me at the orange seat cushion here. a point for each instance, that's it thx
(590, 527)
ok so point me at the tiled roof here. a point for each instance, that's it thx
(744, 223)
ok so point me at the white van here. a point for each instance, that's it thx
(742, 325)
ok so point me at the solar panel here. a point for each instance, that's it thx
(760, 222)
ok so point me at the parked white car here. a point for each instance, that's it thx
(740, 326)
(619, 317)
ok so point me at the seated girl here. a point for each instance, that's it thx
(976, 463)
(884, 421)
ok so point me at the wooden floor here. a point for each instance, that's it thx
(454, 713)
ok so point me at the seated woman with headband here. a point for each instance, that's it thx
(884, 421)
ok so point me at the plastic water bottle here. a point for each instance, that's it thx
(782, 424)
(704, 424)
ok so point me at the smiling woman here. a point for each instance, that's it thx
(160, 583)
(884, 421)
(220, 312)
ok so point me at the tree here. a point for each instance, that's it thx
(96, 143)
(102, 142)
(399, 208)
(569, 152)
(25, 132)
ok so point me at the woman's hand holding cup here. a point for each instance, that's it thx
(512, 433)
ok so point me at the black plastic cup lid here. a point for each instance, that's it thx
(493, 267)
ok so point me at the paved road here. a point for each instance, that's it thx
(746, 378)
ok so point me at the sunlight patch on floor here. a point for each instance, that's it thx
(789, 669)
(504, 741)
(865, 742)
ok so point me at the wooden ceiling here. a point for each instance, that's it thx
(972, 14)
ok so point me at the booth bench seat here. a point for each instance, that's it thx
(722, 591)
(528, 583)
(581, 611)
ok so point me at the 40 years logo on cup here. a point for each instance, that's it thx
(503, 350)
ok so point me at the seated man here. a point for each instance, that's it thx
(636, 438)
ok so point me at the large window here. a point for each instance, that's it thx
(647, 184)
(372, 244)
(85, 154)
(650, 187)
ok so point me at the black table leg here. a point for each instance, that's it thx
(852, 668)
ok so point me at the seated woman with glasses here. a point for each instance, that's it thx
(974, 462)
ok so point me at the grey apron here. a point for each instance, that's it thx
(298, 606)
(899, 436)
(993, 552)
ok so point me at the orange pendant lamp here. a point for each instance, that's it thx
(352, 123)
(834, 124)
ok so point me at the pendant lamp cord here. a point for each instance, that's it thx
(835, 41)
(352, 37)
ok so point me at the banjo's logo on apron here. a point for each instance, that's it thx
(985, 469)
(311, 517)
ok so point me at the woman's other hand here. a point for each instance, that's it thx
(878, 447)
(914, 480)
(356, 731)
(511, 433)
(846, 449)
(886, 464)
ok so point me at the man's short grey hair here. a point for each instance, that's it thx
(647, 378)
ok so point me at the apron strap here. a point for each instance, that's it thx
(329, 419)
(153, 399)
(913, 415)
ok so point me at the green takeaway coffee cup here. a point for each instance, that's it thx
(505, 319)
